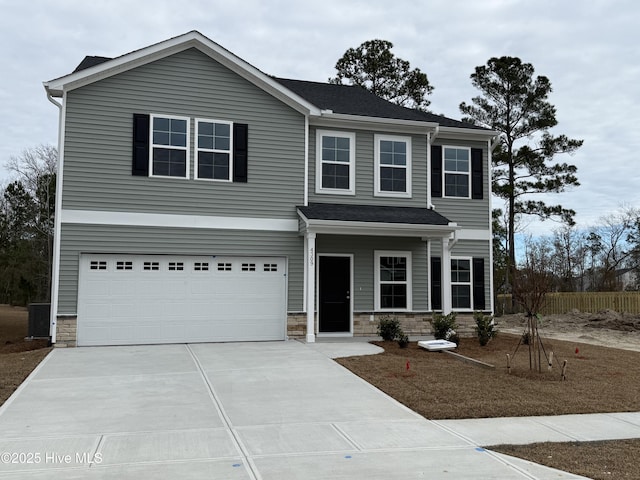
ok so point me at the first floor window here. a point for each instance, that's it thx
(213, 150)
(393, 280)
(461, 283)
(457, 176)
(393, 166)
(170, 146)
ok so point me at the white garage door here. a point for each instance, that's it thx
(148, 299)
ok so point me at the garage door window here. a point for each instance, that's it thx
(123, 265)
(98, 265)
(201, 266)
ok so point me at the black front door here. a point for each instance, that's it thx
(334, 302)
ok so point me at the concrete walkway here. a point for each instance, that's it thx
(280, 410)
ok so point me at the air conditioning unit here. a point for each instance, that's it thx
(39, 320)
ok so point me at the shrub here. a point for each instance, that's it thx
(389, 328)
(485, 327)
(403, 339)
(444, 327)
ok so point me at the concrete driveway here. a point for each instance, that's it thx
(281, 410)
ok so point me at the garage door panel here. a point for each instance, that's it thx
(137, 299)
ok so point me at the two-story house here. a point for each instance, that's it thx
(202, 200)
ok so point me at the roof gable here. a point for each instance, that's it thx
(93, 69)
(309, 98)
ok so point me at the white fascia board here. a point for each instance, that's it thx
(466, 133)
(92, 217)
(342, 120)
(473, 234)
(339, 227)
(172, 46)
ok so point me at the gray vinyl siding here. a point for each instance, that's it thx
(77, 239)
(474, 249)
(467, 213)
(364, 170)
(98, 142)
(363, 249)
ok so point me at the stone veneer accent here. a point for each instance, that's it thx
(66, 329)
(413, 324)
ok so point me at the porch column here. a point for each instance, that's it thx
(446, 276)
(311, 285)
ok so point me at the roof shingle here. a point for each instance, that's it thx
(373, 213)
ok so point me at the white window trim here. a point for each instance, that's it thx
(470, 283)
(352, 162)
(377, 284)
(445, 171)
(376, 173)
(187, 149)
(198, 149)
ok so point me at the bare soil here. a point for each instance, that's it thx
(599, 379)
(18, 356)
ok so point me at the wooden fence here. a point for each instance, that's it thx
(591, 302)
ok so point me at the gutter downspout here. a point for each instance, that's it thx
(430, 138)
(55, 268)
(491, 286)
(306, 160)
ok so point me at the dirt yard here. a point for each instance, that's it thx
(598, 380)
(18, 357)
(606, 328)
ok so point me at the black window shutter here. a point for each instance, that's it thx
(476, 173)
(240, 150)
(478, 284)
(436, 283)
(140, 163)
(436, 171)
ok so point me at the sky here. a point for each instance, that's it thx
(589, 50)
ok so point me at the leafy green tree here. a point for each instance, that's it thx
(516, 105)
(373, 66)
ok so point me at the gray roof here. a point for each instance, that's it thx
(345, 99)
(371, 213)
(354, 100)
(89, 61)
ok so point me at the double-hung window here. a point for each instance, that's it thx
(457, 177)
(214, 140)
(335, 165)
(393, 280)
(392, 166)
(169, 154)
(461, 283)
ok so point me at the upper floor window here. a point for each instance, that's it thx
(392, 166)
(214, 140)
(393, 280)
(335, 165)
(169, 146)
(461, 283)
(457, 168)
